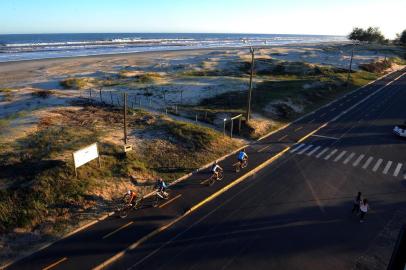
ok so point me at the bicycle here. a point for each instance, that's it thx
(126, 207)
(241, 165)
(214, 177)
(159, 195)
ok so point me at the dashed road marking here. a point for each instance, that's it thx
(369, 160)
(117, 230)
(299, 128)
(55, 264)
(281, 138)
(349, 158)
(313, 151)
(387, 167)
(323, 114)
(358, 160)
(397, 170)
(264, 148)
(377, 164)
(322, 152)
(171, 200)
(297, 148)
(305, 149)
(331, 154)
(327, 137)
(340, 156)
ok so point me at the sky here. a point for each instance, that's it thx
(325, 17)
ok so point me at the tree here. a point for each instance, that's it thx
(371, 34)
(402, 37)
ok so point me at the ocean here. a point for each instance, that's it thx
(41, 46)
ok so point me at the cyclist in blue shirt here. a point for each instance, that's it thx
(242, 156)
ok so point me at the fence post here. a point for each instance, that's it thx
(196, 117)
(231, 129)
(111, 97)
(118, 101)
(239, 125)
(90, 94)
(224, 126)
(101, 98)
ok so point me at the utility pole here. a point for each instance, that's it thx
(125, 118)
(252, 51)
(349, 68)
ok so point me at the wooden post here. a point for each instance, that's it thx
(349, 68)
(111, 97)
(196, 117)
(224, 127)
(239, 124)
(250, 88)
(90, 95)
(118, 100)
(98, 155)
(125, 117)
(101, 98)
(74, 165)
(231, 129)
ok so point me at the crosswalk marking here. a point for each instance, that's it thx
(356, 162)
(340, 156)
(297, 148)
(331, 154)
(313, 151)
(310, 150)
(387, 167)
(349, 158)
(305, 149)
(377, 164)
(369, 160)
(397, 170)
(322, 152)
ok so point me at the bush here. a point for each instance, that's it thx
(74, 83)
(372, 34)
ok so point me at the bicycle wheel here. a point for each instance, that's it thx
(155, 202)
(212, 180)
(237, 167)
(123, 212)
(220, 176)
(138, 203)
(244, 164)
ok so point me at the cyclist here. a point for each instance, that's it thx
(132, 195)
(242, 156)
(161, 187)
(215, 169)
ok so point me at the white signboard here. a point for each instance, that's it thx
(85, 155)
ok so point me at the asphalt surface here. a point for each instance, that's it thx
(293, 214)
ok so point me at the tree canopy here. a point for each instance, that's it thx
(402, 37)
(371, 34)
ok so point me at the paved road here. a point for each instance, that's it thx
(294, 214)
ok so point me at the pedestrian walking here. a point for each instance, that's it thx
(363, 209)
(357, 201)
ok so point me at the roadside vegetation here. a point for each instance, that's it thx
(37, 170)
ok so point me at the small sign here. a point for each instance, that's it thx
(128, 148)
(85, 155)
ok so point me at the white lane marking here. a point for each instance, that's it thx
(331, 154)
(323, 114)
(299, 128)
(311, 121)
(369, 160)
(387, 167)
(333, 109)
(340, 156)
(313, 151)
(377, 164)
(349, 158)
(327, 137)
(397, 170)
(305, 149)
(356, 162)
(322, 152)
(297, 148)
